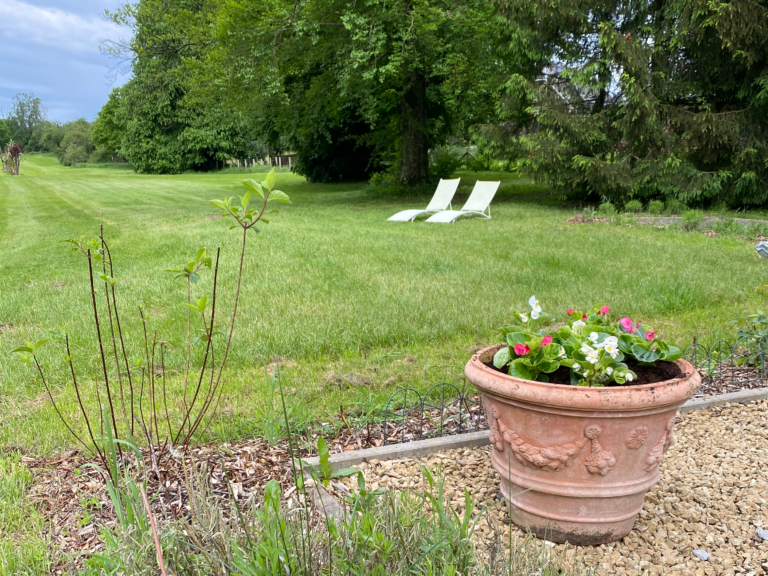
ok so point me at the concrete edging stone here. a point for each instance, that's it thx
(419, 448)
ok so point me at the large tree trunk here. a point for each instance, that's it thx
(414, 145)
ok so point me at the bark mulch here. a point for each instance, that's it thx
(731, 379)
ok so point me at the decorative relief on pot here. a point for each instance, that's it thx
(550, 458)
(637, 437)
(495, 435)
(600, 461)
(657, 452)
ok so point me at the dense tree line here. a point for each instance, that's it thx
(643, 99)
(27, 125)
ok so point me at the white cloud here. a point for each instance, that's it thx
(24, 23)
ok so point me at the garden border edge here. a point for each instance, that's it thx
(419, 448)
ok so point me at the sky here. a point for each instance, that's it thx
(51, 48)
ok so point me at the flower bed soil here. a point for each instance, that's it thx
(712, 496)
(69, 492)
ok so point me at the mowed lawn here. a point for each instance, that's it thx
(329, 286)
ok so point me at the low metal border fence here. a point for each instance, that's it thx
(446, 408)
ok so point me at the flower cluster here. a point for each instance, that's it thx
(590, 345)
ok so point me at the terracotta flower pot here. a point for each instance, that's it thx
(576, 462)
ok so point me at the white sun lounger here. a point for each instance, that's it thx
(477, 203)
(440, 201)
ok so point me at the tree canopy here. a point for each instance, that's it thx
(352, 88)
(150, 120)
(25, 119)
(663, 98)
(622, 100)
(5, 133)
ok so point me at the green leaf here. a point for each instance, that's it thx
(625, 343)
(507, 328)
(548, 366)
(672, 354)
(519, 370)
(22, 349)
(193, 277)
(344, 472)
(279, 196)
(254, 187)
(325, 459)
(272, 495)
(643, 354)
(245, 199)
(270, 181)
(501, 358)
(515, 338)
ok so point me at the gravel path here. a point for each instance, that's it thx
(712, 496)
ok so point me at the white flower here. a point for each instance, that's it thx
(562, 352)
(535, 306)
(594, 336)
(590, 353)
(577, 367)
(628, 377)
(534, 314)
(611, 348)
(578, 325)
(612, 340)
(523, 318)
(609, 370)
(586, 373)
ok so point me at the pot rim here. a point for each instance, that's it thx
(629, 398)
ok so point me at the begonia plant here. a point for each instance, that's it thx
(591, 344)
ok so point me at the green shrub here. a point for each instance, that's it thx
(74, 154)
(656, 207)
(675, 206)
(443, 166)
(634, 206)
(606, 209)
(99, 156)
(691, 220)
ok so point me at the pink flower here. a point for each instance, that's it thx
(569, 311)
(626, 323)
(584, 316)
(521, 349)
(604, 310)
(546, 340)
(650, 334)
